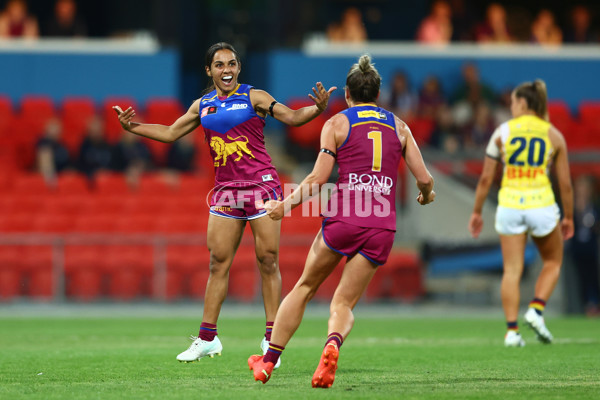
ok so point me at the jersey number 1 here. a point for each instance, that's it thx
(375, 136)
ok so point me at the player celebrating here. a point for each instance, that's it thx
(527, 144)
(233, 117)
(368, 143)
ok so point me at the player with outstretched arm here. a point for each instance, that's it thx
(368, 143)
(232, 116)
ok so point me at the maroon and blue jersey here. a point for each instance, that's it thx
(368, 169)
(234, 133)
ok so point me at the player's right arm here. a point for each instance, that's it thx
(415, 163)
(563, 176)
(331, 138)
(163, 133)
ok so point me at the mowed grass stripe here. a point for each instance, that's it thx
(383, 358)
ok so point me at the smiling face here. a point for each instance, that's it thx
(224, 70)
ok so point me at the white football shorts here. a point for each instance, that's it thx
(537, 221)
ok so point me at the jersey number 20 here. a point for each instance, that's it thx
(375, 136)
(535, 155)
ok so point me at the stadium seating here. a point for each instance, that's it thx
(84, 272)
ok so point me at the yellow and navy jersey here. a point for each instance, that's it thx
(527, 153)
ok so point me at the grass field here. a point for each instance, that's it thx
(384, 358)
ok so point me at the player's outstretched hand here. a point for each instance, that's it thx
(275, 209)
(125, 116)
(321, 97)
(475, 225)
(426, 199)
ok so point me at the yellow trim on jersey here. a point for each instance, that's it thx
(371, 122)
(235, 91)
(527, 154)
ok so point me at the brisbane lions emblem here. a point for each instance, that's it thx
(224, 150)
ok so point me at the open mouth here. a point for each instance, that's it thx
(227, 79)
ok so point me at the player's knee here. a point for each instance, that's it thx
(267, 262)
(219, 264)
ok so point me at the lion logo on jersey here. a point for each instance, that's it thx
(225, 150)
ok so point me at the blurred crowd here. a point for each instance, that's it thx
(17, 22)
(451, 20)
(130, 155)
(461, 120)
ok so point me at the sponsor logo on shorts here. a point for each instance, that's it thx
(267, 178)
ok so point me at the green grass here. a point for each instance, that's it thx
(384, 358)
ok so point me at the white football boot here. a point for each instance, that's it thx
(264, 346)
(536, 322)
(201, 348)
(513, 339)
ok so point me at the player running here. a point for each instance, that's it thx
(368, 143)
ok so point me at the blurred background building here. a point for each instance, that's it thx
(88, 212)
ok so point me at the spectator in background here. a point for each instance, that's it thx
(544, 29)
(400, 99)
(51, 154)
(351, 28)
(181, 156)
(16, 23)
(584, 246)
(431, 99)
(131, 156)
(94, 152)
(471, 88)
(494, 29)
(445, 135)
(580, 29)
(467, 99)
(65, 22)
(462, 21)
(478, 130)
(436, 28)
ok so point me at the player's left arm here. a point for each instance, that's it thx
(563, 176)
(264, 104)
(311, 185)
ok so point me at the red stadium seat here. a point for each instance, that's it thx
(31, 183)
(10, 271)
(291, 264)
(130, 269)
(38, 266)
(95, 223)
(187, 271)
(37, 107)
(422, 129)
(559, 109)
(111, 183)
(6, 108)
(16, 223)
(181, 223)
(163, 110)
(135, 223)
(78, 107)
(400, 278)
(244, 275)
(589, 112)
(53, 223)
(309, 134)
(72, 183)
(83, 272)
